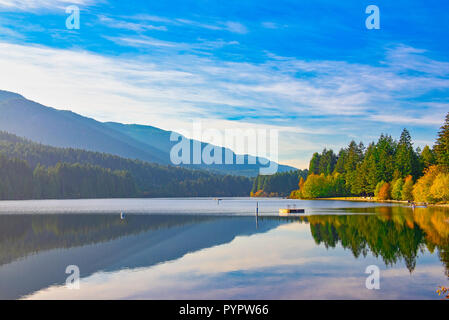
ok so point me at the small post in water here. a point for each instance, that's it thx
(257, 215)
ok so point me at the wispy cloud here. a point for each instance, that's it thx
(272, 25)
(146, 42)
(10, 33)
(170, 46)
(236, 27)
(127, 25)
(205, 23)
(31, 5)
(171, 89)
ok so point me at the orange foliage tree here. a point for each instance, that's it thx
(385, 192)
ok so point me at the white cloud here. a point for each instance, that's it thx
(31, 5)
(170, 89)
(8, 32)
(127, 25)
(231, 26)
(236, 27)
(433, 119)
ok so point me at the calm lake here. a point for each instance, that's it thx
(210, 249)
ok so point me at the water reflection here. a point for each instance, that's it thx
(35, 249)
(391, 233)
(188, 256)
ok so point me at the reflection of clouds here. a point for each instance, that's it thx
(284, 263)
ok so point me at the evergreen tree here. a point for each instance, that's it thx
(406, 160)
(385, 152)
(49, 172)
(314, 165)
(427, 158)
(354, 157)
(279, 184)
(367, 179)
(341, 159)
(442, 144)
(327, 162)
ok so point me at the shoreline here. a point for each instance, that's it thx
(373, 199)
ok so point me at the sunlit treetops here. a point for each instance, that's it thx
(387, 169)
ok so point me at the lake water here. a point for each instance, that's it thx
(209, 249)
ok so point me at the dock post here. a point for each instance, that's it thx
(257, 215)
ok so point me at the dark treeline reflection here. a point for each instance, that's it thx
(392, 233)
(21, 235)
(36, 249)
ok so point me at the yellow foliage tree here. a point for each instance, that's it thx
(440, 187)
(385, 192)
(407, 189)
(421, 189)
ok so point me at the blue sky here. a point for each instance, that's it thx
(308, 68)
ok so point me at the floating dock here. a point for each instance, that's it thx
(288, 211)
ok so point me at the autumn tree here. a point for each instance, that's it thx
(421, 189)
(407, 189)
(385, 192)
(396, 190)
(440, 187)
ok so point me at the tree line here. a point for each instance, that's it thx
(19, 181)
(29, 170)
(280, 184)
(387, 169)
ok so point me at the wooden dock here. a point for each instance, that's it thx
(289, 211)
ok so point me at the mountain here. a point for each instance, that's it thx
(30, 170)
(61, 128)
(58, 128)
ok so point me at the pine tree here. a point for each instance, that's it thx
(385, 164)
(442, 144)
(327, 162)
(366, 172)
(341, 159)
(314, 165)
(427, 158)
(354, 157)
(406, 160)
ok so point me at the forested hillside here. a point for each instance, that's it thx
(280, 184)
(31, 170)
(66, 129)
(387, 169)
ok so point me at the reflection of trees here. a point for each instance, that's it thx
(392, 233)
(21, 235)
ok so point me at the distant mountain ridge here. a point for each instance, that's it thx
(30, 170)
(61, 128)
